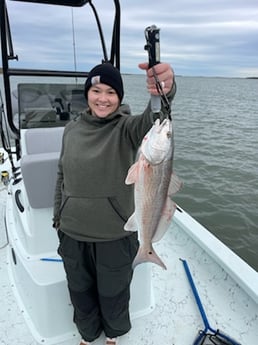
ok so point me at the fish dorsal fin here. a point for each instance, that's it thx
(175, 185)
(169, 208)
(165, 220)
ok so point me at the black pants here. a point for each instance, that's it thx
(99, 276)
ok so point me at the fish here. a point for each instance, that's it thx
(154, 185)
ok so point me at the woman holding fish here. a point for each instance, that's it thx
(93, 203)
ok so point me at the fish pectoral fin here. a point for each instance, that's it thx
(133, 173)
(175, 185)
(165, 220)
(131, 224)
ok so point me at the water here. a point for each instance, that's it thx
(216, 123)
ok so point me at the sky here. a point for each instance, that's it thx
(197, 37)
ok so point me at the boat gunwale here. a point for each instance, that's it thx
(239, 270)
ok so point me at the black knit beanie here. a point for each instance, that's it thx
(105, 73)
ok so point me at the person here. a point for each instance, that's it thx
(93, 203)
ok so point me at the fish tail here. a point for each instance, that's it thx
(149, 255)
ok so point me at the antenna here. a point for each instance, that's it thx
(74, 46)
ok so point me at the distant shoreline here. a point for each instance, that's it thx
(179, 75)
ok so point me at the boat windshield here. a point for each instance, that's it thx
(49, 104)
(51, 93)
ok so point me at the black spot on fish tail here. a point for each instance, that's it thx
(151, 256)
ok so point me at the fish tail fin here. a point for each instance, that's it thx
(149, 255)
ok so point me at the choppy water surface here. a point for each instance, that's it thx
(216, 123)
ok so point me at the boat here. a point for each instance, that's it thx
(35, 305)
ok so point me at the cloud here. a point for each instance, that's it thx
(200, 37)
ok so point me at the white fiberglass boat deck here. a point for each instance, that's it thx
(228, 288)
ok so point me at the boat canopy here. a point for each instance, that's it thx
(30, 112)
(72, 3)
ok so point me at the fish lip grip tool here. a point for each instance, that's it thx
(152, 35)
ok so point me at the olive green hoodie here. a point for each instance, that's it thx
(92, 201)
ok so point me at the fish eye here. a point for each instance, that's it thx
(169, 134)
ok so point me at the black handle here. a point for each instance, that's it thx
(153, 44)
(18, 201)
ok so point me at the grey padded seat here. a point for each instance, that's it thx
(42, 140)
(39, 165)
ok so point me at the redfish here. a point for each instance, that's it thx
(154, 185)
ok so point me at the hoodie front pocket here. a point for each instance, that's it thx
(95, 217)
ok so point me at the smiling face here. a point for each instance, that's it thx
(102, 100)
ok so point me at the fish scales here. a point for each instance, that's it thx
(154, 185)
